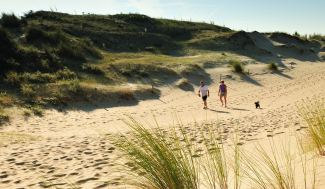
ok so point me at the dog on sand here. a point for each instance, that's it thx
(257, 104)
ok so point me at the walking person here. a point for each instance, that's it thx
(205, 93)
(223, 90)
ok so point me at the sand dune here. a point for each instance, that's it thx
(74, 150)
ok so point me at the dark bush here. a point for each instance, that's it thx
(9, 52)
(33, 32)
(10, 20)
(272, 65)
(69, 51)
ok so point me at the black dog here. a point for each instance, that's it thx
(257, 104)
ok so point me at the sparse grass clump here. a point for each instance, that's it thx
(126, 94)
(237, 66)
(313, 114)
(39, 77)
(66, 74)
(92, 68)
(57, 36)
(3, 115)
(87, 44)
(8, 138)
(311, 49)
(9, 20)
(272, 65)
(69, 51)
(7, 99)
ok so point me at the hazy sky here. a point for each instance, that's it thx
(304, 16)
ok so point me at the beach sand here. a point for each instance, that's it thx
(73, 149)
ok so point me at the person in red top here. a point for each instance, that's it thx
(223, 90)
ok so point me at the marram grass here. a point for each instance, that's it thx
(173, 158)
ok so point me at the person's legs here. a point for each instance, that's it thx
(221, 99)
(225, 100)
(204, 98)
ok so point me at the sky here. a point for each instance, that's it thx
(305, 17)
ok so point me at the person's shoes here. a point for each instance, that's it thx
(221, 104)
(204, 107)
(225, 106)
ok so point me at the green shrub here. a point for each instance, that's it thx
(39, 77)
(3, 116)
(126, 72)
(33, 32)
(69, 51)
(10, 20)
(144, 73)
(27, 91)
(12, 79)
(92, 68)
(57, 97)
(57, 36)
(37, 109)
(65, 74)
(9, 52)
(87, 44)
(237, 66)
(272, 65)
(75, 86)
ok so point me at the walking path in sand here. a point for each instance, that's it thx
(73, 147)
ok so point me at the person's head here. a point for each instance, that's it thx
(202, 83)
(222, 82)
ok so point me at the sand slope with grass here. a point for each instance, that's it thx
(68, 148)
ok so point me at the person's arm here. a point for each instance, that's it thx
(199, 93)
(225, 88)
(208, 93)
(219, 91)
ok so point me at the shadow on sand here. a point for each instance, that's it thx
(250, 80)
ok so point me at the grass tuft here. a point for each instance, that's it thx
(313, 114)
(92, 68)
(87, 44)
(272, 65)
(237, 66)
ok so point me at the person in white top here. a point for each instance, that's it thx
(205, 93)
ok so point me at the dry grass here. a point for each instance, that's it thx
(7, 99)
(312, 112)
(9, 138)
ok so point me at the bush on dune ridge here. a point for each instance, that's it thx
(9, 20)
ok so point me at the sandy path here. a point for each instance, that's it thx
(75, 149)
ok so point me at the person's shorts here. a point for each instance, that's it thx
(223, 94)
(204, 98)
